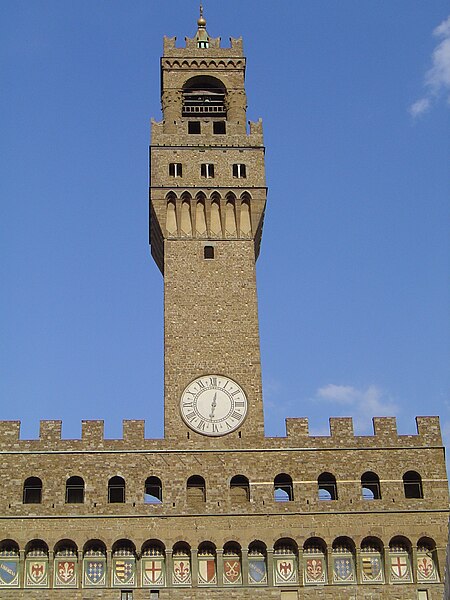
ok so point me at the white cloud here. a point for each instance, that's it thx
(437, 78)
(361, 404)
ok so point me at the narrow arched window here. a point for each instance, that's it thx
(116, 490)
(370, 486)
(327, 487)
(239, 489)
(283, 489)
(153, 490)
(196, 489)
(412, 485)
(32, 491)
(75, 490)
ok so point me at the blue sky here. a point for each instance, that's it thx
(353, 274)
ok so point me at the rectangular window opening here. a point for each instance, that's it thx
(175, 170)
(194, 127)
(126, 595)
(219, 127)
(240, 171)
(208, 252)
(207, 170)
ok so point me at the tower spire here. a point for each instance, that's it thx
(202, 34)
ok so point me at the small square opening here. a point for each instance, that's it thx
(194, 127)
(219, 127)
(208, 252)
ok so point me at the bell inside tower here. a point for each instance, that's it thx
(204, 96)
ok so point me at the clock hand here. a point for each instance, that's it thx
(213, 406)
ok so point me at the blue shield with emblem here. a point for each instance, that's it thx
(9, 570)
(257, 570)
(94, 572)
(343, 569)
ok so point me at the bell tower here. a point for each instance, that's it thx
(207, 201)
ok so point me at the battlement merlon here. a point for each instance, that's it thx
(384, 433)
(297, 435)
(254, 138)
(236, 48)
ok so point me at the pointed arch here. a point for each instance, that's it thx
(216, 226)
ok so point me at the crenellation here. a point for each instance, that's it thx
(133, 431)
(9, 433)
(429, 429)
(385, 427)
(92, 433)
(50, 431)
(341, 430)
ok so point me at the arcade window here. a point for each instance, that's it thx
(219, 127)
(207, 170)
(194, 127)
(175, 170)
(240, 171)
(208, 252)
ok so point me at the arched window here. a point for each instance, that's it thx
(285, 562)
(32, 491)
(204, 95)
(94, 564)
(196, 489)
(283, 489)
(370, 486)
(153, 571)
(123, 564)
(153, 490)
(239, 489)
(181, 564)
(371, 557)
(36, 565)
(427, 570)
(343, 561)
(65, 565)
(116, 490)
(314, 562)
(412, 484)
(75, 490)
(400, 560)
(327, 487)
(257, 563)
(9, 556)
(232, 564)
(207, 564)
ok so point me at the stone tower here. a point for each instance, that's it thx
(207, 200)
(216, 510)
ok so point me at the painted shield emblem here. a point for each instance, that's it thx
(182, 571)
(314, 569)
(285, 569)
(399, 567)
(257, 571)
(425, 567)
(37, 572)
(66, 572)
(95, 572)
(343, 569)
(9, 570)
(371, 566)
(207, 570)
(153, 572)
(232, 571)
(124, 570)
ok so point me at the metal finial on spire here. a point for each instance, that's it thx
(202, 21)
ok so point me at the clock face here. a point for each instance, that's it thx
(213, 405)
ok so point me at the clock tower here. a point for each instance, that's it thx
(207, 201)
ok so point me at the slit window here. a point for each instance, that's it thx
(219, 127)
(194, 127)
(208, 252)
(207, 170)
(175, 170)
(239, 171)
